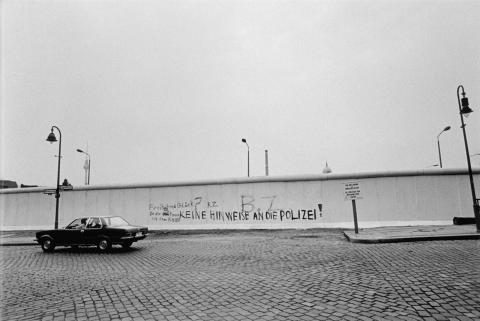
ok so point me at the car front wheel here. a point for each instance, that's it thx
(47, 245)
(104, 244)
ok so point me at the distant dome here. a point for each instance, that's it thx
(327, 170)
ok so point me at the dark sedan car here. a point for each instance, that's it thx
(102, 231)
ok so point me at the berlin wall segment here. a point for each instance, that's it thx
(199, 208)
(314, 201)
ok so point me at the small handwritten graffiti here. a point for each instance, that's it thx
(172, 212)
(194, 202)
(251, 209)
(211, 204)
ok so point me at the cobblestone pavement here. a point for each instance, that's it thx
(280, 275)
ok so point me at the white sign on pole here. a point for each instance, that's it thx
(352, 191)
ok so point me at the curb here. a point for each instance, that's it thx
(17, 243)
(412, 238)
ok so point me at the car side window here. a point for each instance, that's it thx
(94, 223)
(75, 224)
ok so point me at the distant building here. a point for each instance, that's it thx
(327, 170)
(8, 184)
(11, 184)
(27, 186)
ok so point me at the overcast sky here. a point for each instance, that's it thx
(165, 90)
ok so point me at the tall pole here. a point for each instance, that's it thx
(89, 170)
(248, 156)
(439, 153)
(266, 162)
(51, 138)
(57, 191)
(438, 144)
(86, 166)
(464, 103)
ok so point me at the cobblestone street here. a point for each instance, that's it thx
(261, 275)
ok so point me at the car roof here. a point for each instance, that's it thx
(101, 216)
(96, 216)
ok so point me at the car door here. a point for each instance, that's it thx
(92, 231)
(72, 233)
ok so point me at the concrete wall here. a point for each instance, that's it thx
(389, 198)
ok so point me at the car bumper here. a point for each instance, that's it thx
(133, 238)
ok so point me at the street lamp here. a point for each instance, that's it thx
(438, 144)
(248, 156)
(86, 167)
(51, 138)
(465, 110)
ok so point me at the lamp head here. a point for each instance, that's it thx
(80, 151)
(466, 110)
(447, 128)
(244, 140)
(51, 137)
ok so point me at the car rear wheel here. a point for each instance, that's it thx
(47, 245)
(104, 244)
(127, 245)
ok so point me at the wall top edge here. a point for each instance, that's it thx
(258, 179)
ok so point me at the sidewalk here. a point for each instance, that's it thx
(8, 238)
(392, 234)
(387, 234)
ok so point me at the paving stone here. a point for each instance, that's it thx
(250, 275)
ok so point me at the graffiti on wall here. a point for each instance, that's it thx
(250, 209)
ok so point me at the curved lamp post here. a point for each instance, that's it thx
(465, 110)
(51, 138)
(248, 156)
(87, 167)
(438, 144)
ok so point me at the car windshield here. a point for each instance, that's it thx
(115, 221)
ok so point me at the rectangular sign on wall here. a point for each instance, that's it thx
(352, 191)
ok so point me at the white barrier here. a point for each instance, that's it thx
(388, 198)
